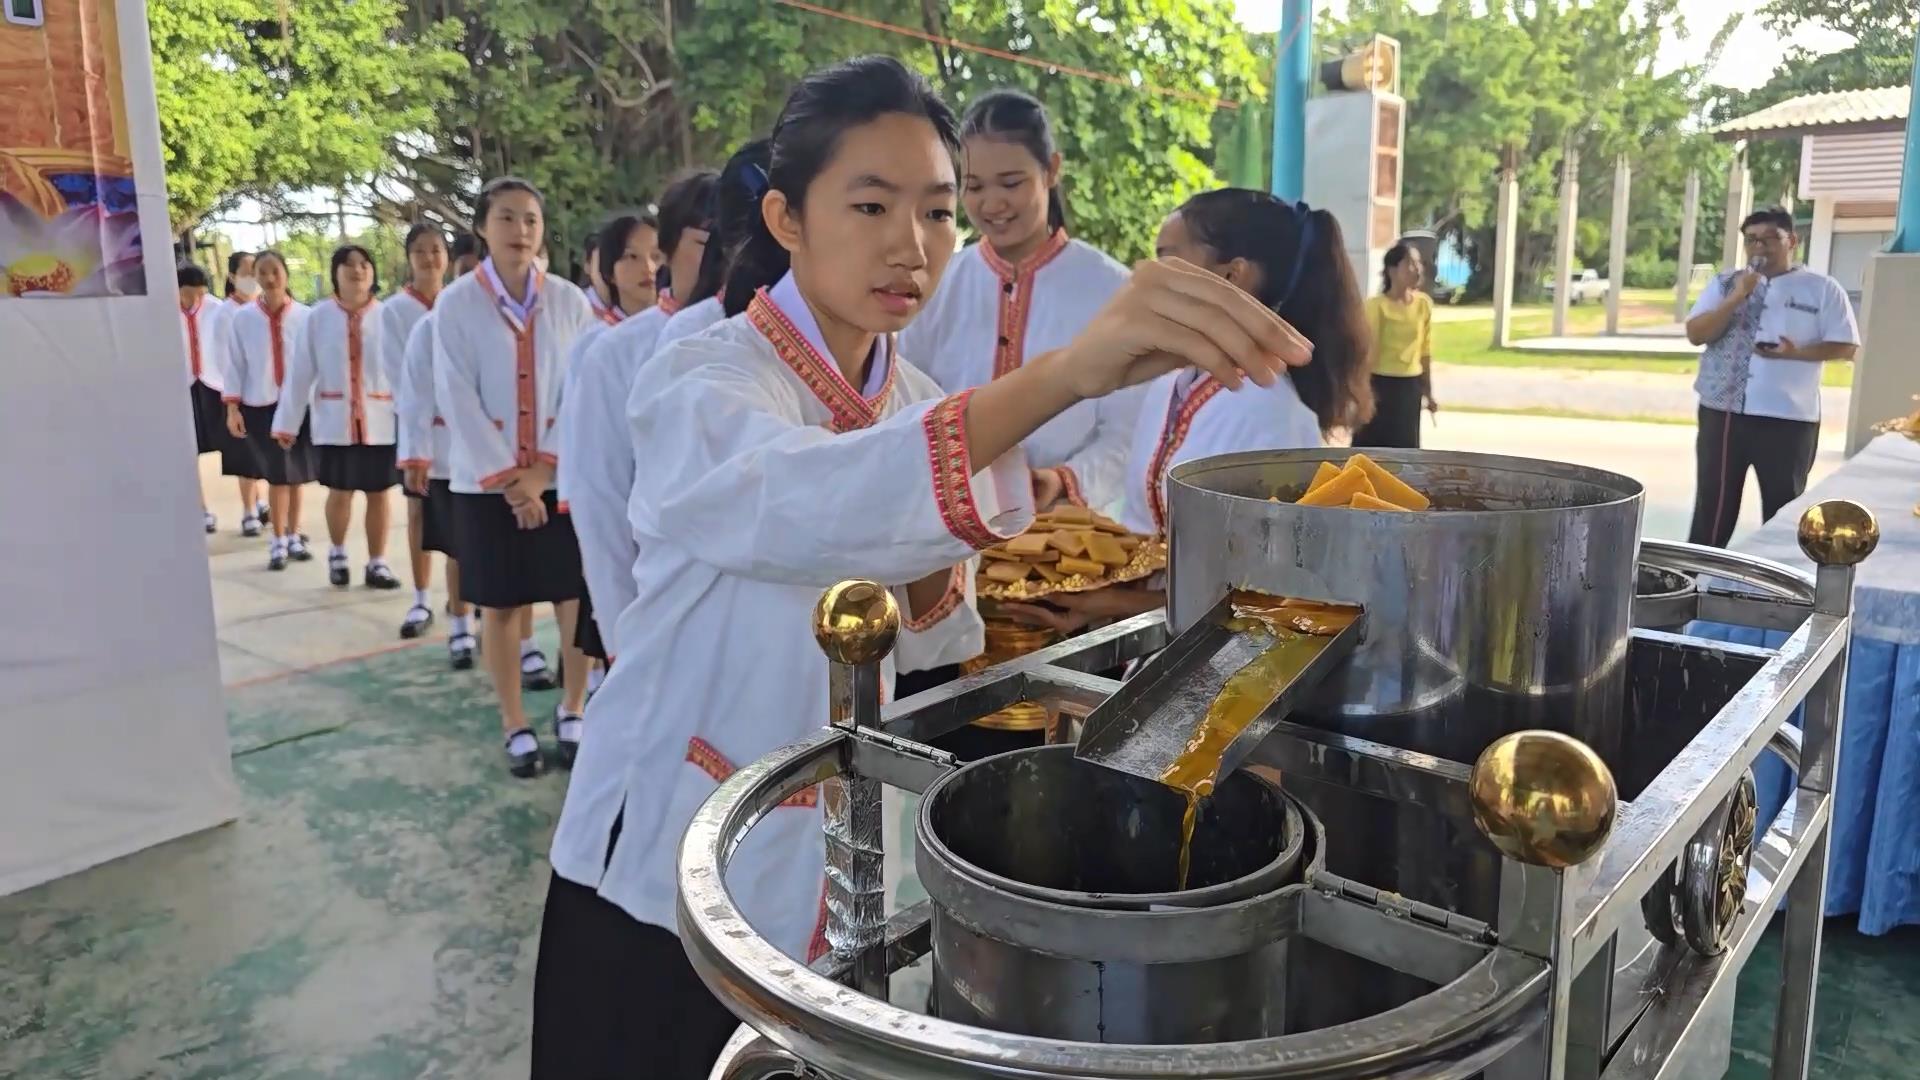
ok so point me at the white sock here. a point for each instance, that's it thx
(527, 648)
(250, 515)
(280, 545)
(594, 678)
(522, 742)
(570, 727)
(420, 597)
(457, 625)
(377, 560)
(337, 551)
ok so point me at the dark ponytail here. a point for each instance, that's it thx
(1017, 117)
(732, 216)
(1306, 278)
(1396, 255)
(821, 108)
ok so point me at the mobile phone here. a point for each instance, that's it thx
(1766, 344)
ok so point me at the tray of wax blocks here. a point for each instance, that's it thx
(1068, 549)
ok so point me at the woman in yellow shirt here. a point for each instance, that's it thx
(1402, 320)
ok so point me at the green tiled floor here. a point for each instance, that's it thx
(373, 916)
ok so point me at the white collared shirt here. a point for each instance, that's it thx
(1806, 307)
(259, 346)
(765, 479)
(1188, 415)
(338, 368)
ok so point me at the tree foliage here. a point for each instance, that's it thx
(1881, 55)
(1545, 78)
(260, 99)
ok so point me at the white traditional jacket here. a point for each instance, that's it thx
(337, 368)
(766, 478)
(498, 377)
(259, 345)
(988, 317)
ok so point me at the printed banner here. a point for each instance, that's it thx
(68, 226)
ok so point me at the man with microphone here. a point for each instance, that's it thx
(1767, 329)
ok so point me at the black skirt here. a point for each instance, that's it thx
(505, 566)
(586, 632)
(437, 530)
(615, 997)
(279, 467)
(1396, 414)
(357, 468)
(209, 419)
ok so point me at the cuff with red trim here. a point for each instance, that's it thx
(949, 601)
(946, 429)
(1070, 485)
(499, 478)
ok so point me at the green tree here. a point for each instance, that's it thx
(1545, 78)
(1881, 55)
(262, 99)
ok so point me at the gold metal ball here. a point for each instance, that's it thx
(1543, 798)
(1838, 532)
(855, 622)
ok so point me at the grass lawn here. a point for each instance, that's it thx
(1464, 335)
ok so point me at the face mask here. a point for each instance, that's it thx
(246, 286)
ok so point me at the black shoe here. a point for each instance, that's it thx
(337, 571)
(297, 549)
(212, 523)
(263, 512)
(536, 678)
(460, 650)
(419, 617)
(249, 526)
(527, 765)
(564, 748)
(379, 577)
(277, 559)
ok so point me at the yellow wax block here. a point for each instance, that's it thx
(1364, 501)
(1327, 471)
(1388, 486)
(1339, 490)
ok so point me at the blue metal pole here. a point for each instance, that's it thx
(1906, 230)
(1292, 78)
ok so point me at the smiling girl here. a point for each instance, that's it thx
(337, 367)
(786, 449)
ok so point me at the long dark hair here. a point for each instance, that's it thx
(821, 108)
(340, 259)
(734, 215)
(686, 204)
(1306, 278)
(611, 244)
(1396, 255)
(494, 188)
(1017, 117)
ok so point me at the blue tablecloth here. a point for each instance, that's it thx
(1875, 869)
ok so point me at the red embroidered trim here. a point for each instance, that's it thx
(609, 316)
(276, 321)
(949, 600)
(356, 372)
(1016, 299)
(946, 426)
(193, 334)
(439, 422)
(1070, 484)
(817, 946)
(377, 395)
(526, 442)
(497, 478)
(1172, 435)
(669, 304)
(407, 462)
(702, 755)
(330, 395)
(849, 409)
(425, 301)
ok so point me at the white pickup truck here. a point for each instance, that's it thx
(1587, 285)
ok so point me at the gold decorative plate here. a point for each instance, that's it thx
(1150, 556)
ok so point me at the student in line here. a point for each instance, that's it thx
(736, 209)
(260, 340)
(1293, 260)
(501, 339)
(597, 462)
(784, 450)
(400, 313)
(337, 373)
(203, 372)
(425, 448)
(237, 459)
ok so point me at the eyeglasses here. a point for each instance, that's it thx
(1763, 239)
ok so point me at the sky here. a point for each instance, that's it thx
(1745, 64)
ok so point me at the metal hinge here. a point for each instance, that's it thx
(1397, 906)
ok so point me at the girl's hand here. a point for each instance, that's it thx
(1426, 394)
(1048, 487)
(415, 477)
(530, 514)
(285, 439)
(1066, 622)
(236, 424)
(1082, 608)
(1171, 314)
